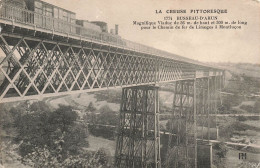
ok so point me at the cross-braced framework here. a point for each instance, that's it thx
(212, 105)
(138, 142)
(208, 100)
(182, 146)
(33, 67)
(202, 108)
(219, 82)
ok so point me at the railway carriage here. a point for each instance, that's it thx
(44, 15)
(90, 30)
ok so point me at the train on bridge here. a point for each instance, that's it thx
(47, 51)
(40, 16)
(43, 14)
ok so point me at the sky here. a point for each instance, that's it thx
(202, 45)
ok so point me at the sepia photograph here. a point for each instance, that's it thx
(129, 84)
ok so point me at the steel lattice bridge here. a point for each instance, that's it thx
(41, 61)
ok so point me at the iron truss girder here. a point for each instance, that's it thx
(33, 68)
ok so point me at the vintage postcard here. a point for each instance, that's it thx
(130, 83)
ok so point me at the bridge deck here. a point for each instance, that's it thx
(42, 60)
(23, 18)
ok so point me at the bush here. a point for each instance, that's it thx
(49, 138)
(91, 107)
(256, 108)
(242, 118)
(105, 109)
(247, 108)
(108, 118)
(103, 131)
(219, 154)
(232, 100)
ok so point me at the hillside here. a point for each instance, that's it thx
(250, 70)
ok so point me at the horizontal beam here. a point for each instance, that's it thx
(27, 21)
(34, 68)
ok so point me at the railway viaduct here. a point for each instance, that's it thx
(44, 61)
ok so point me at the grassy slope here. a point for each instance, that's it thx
(251, 70)
(98, 142)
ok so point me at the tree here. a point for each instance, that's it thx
(91, 107)
(108, 118)
(105, 109)
(220, 152)
(49, 138)
(101, 158)
(256, 108)
(104, 157)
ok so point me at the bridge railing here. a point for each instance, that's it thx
(26, 17)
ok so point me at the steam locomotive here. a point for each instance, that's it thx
(45, 15)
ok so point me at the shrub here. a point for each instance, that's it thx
(48, 138)
(242, 118)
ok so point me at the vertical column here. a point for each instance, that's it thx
(195, 122)
(202, 107)
(182, 146)
(212, 107)
(223, 78)
(138, 142)
(219, 88)
(205, 103)
(208, 107)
